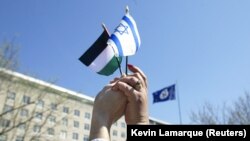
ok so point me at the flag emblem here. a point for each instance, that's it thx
(165, 94)
(126, 39)
(121, 29)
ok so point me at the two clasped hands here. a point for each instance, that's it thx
(126, 96)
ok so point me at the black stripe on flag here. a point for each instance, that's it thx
(99, 45)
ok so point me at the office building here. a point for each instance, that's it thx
(32, 109)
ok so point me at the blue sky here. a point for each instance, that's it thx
(203, 45)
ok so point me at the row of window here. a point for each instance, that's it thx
(52, 120)
(63, 135)
(51, 131)
(40, 103)
(25, 112)
(37, 128)
(123, 125)
(12, 95)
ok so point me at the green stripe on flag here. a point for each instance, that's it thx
(111, 67)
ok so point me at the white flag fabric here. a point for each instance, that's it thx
(126, 39)
(100, 57)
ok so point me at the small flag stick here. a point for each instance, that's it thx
(126, 67)
(127, 10)
(119, 65)
(117, 60)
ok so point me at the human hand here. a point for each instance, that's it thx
(109, 106)
(134, 86)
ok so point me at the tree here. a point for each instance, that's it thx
(23, 112)
(8, 54)
(238, 113)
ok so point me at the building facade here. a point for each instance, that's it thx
(34, 110)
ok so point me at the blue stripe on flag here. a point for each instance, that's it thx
(125, 18)
(117, 43)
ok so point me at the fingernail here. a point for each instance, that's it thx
(130, 66)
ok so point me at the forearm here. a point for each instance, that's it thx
(139, 118)
(99, 129)
(99, 132)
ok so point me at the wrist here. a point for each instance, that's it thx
(100, 127)
(137, 121)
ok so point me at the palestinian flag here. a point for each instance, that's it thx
(100, 57)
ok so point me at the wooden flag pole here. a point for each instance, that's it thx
(117, 59)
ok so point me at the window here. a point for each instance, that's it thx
(37, 128)
(66, 110)
(4, 123)
(123, 135)
(63, 134)
(22, 126)
(87, 115)
(53, 106)
(75, 136)
(85, 138)
(51, 131)
(11, 95)
(123, 125)
(76, 124)
(24, 112)
(77, 113)
(114, 133)
(3, 137)
(26, 99)
(86, 126)
(19, 138)
(40, 103)
(65, 121)
(39, 115)
(52, 119)
(7, 108)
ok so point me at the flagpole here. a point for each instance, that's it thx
(179, 105)
(126, 67)
(119, 65)
(117, 60)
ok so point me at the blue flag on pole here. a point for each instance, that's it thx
(165, 94)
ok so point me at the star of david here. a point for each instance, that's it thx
(122, 29)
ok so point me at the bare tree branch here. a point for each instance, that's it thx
(237, 113)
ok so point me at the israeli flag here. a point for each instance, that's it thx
(165, 94)
(126, 39)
